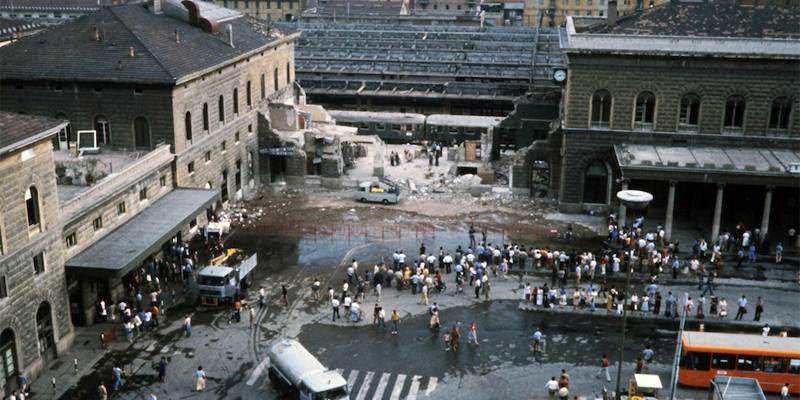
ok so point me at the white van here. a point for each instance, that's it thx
(295, 371)
(378, 191)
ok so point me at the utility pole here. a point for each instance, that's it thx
(629, 269)
(678, 349)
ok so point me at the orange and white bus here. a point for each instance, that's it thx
(773, 361)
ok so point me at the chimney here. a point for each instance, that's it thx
(132, 51)
(96, 34)
(611, 19)
(230, 35)
(177, 36)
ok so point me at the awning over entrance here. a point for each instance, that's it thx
(695, 163)
(129, 245)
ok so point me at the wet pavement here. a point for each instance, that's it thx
(297, 241)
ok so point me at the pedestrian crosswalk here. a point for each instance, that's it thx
(368, 385)
(364, 385)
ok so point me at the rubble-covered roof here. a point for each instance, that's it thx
(19, 130)
(713, 19)
(8, 27)
(135, 45)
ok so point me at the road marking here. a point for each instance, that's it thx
(351, 379)
(414, 389)
(362, 393)
(151, 347)
(398, 387)
(381, 386)
(257, 372)
(431, 385)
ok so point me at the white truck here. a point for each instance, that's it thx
(224, 278)
(296, 372)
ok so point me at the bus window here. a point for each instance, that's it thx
(775, 364)
(723, 361)
(380, 127)
(696, 361)
(794, 366)
(396, 127)
(747, 363)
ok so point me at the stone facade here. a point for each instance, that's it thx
(83, 102)
(270, 10)
(32, 294)
(712, 79)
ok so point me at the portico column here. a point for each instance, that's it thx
(622, 209)
(670, 210)
(767, 209)
(717, 213)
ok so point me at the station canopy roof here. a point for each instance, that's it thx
(129, 245)
(753, 162)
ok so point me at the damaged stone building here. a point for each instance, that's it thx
(151, 117)
(701, 112)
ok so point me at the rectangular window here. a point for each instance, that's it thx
(3, 287)
(236, 136)
(193, 223)
(138, 91)
(58, 88)
(794, 366)
(71, 240)
(224, 146)
(775, 364)
(263, 87)
(121, 208)
(275, 78)
(723, 361)
(1, 242)
(190, 167)
(143, 194)
(38, 264)
(162, 180)
(696, 361)
(208, 156)
(97, 223)
(748, 363)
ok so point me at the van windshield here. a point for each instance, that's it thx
(211, 280)
(333, 394)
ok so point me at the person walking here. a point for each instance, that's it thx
(252, 312)
(117, 372)
(315, 288)
(284, 295)
(742, 308)
(647, 356)
(395, 321)
(563, 393)
(552, 388)
(162, 370)
(262, 295)
(200, 376)
(335, 306)
(472, 335)
(604, 362)
(102, 392)
(778, 253)
(759, 308)
(785, 392)
(187, 325)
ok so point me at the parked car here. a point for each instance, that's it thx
(378, 191)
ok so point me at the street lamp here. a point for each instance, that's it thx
(636, 199)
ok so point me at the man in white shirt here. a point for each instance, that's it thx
(552, 388)
(335, 305)
(742, 308)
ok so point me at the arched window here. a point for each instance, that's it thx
(221, 109)
(102, 130)
(235, 101)
(734, 114)
(205, 116)
(141, 132)
(8, 359)
(596, 180)
(645, 111)
(249, 93)
(779, 113)
(187, 123)
(689, 113)
(601, 109)
(32, 207)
